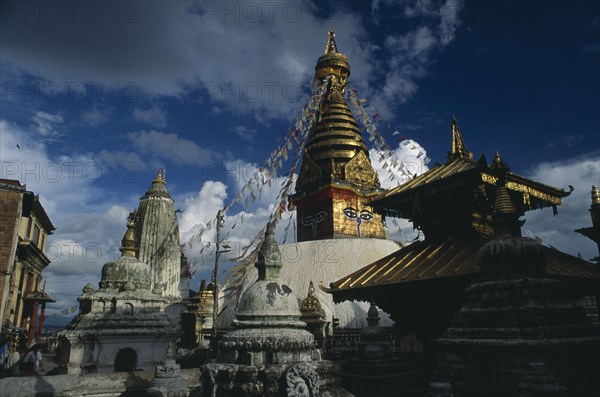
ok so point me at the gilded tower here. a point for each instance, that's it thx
(336, 180)
(157, 237)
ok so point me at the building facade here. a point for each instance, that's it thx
(24, 228)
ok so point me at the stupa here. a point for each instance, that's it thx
(121, 326)
(376, 371)
(338, 232)
(269, 353)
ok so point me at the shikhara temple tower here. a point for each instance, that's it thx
(157, 238)
(336, 180)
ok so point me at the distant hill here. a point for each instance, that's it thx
(56, 323)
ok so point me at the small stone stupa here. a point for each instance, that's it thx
(376, 371)
(269, 352)
(121, 325)
(314, 315)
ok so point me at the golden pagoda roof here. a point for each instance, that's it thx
(462, 170)
(453, 257)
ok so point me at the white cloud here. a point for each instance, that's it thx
(242, 222)
(96, 116)
(411, 158)
(198, 210)
(245, 133)
(154, 116)
(88, 231)
(45, 123)
(257, 66)
(169, 147)
(581, 172)
(413, 52)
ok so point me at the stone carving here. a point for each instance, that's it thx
(301, 380)
(89, 287)
(167, 378)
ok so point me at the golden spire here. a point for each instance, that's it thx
(595, 196)
(311, 302)
(459, 149)
(335, 148)
(128, 242)
(331, 47)
(333, 64)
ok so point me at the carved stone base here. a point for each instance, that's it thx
(295, 380)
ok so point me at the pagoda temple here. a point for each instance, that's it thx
(453, 204)
(336, 179)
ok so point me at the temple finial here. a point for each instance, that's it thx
(595, 195)
(459, 149)
(128, 242)
(158, 187)
(498, 163)
(373, 315)
(160, 176)
(331, 46)
(269, 256)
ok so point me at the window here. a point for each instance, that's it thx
(43, 243)
(36, 235)
(29, 226)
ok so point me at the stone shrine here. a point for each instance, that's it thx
(269, 353)
(122, 325)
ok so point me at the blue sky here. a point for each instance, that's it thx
(105, 92)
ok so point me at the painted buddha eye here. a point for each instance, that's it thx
(308, 220)
(366, 215)
(319, 216)
(351, 213)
